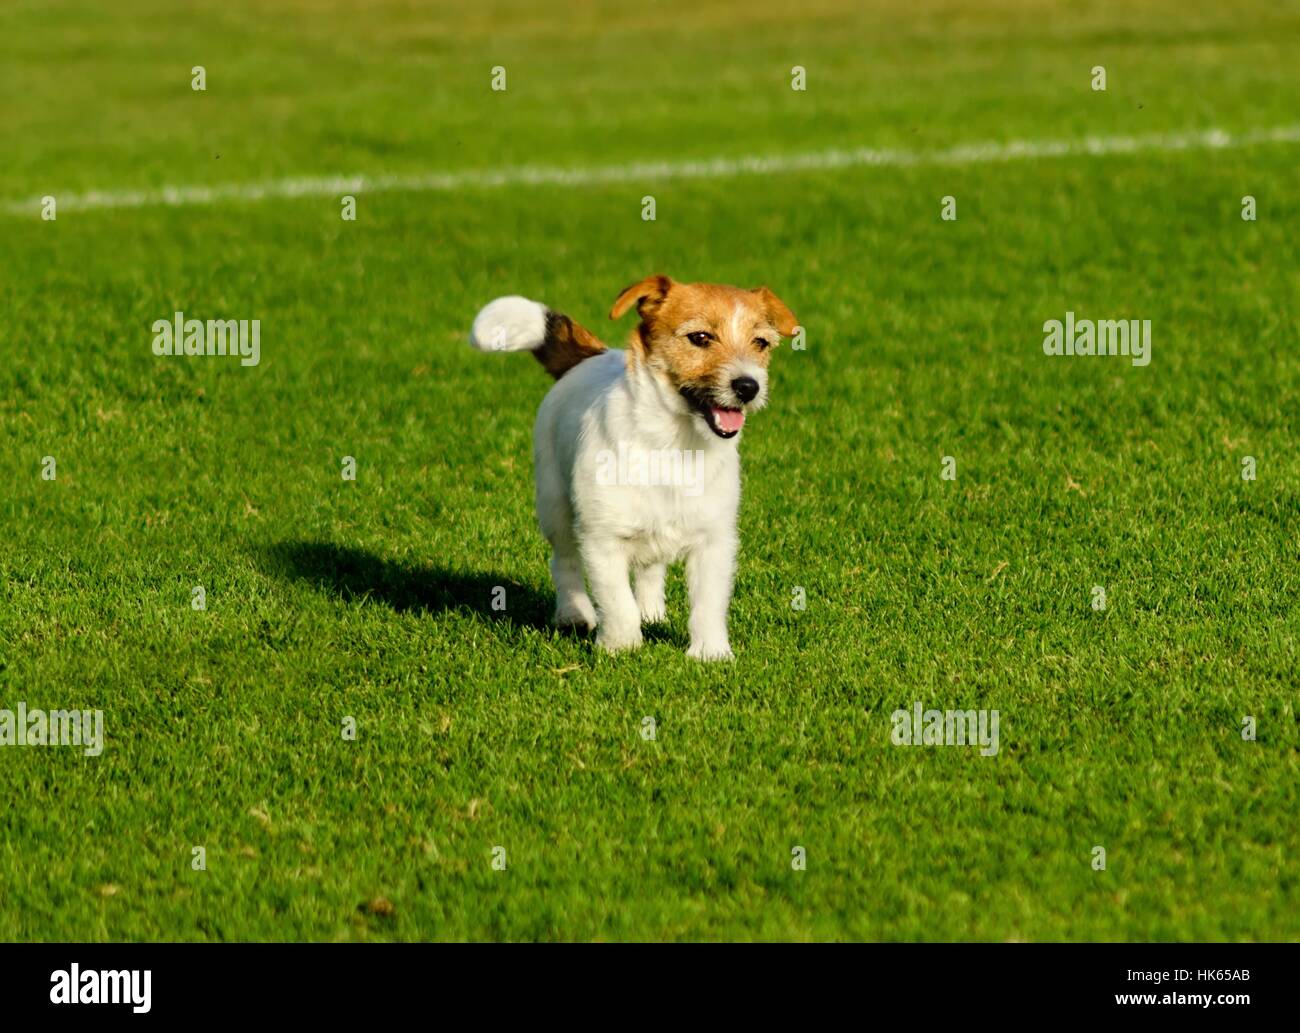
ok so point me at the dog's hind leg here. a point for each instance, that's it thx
(650, 592)
(555, 517)
(572, 607)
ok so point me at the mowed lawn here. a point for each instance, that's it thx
(372, 599)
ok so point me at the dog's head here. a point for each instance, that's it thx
(709, 344)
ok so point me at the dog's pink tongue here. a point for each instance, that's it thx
(728, 420)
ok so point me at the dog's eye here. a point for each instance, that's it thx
(700, 339)
(763, 343)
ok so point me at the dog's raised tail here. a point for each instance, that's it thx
(515, 324)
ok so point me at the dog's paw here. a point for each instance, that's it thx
(618, 641)
(706, 650)
(575, 613)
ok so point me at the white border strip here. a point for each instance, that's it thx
(648, 172)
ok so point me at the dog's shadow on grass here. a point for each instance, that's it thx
(355, 574)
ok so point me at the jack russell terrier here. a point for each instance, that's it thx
(695, 365)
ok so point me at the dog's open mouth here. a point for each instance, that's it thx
(722, 420)
(725, 423)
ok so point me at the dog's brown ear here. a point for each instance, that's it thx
(649, 294)
(777, 311)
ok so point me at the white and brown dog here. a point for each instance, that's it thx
(675, 401)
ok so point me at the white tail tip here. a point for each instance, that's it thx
(510, 324)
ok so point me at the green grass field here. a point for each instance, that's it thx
(327, 598)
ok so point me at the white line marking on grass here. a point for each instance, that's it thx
(649, 172)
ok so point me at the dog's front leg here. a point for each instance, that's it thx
(619, 618)
(710, 568)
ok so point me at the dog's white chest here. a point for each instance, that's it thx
(658, 505)
(669, 521)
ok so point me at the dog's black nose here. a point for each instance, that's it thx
(746, 388)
